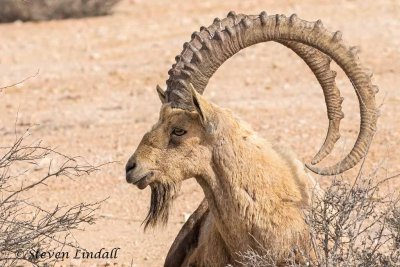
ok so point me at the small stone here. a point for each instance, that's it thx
(185, 217)
(43, 164)
(95, 56)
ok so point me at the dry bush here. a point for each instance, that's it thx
(26, 226)
(352, 224)
(38, 10)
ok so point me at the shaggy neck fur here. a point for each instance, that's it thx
(256, 190)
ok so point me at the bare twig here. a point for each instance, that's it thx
(22, 81)
(351, 224)
(26, 226)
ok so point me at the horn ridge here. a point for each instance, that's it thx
(313, 43)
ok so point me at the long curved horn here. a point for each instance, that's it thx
(319, 63)
(213, 45)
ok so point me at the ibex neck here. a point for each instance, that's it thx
(255, 190)
(236, 185)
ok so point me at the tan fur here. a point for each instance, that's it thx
(257, 193)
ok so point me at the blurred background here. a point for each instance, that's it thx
(93, 94)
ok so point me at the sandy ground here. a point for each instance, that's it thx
(95, 97)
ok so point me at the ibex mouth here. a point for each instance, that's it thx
(143, 181)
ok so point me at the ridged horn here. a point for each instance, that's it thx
(319, 63)
(303, 37)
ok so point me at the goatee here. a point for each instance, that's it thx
(162, 196)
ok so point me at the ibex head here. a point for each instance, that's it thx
(179, 146)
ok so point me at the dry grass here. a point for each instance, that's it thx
(352, 224)
(39, 10)
(26, 226)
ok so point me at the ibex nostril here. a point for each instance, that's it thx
(130, 166)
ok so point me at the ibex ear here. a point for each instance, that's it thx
(204, 109)
(161, 94)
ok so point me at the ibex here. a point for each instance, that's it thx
(255, 193)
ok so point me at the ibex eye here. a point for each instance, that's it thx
(178, 132)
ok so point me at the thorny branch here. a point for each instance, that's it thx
(27, 226)
(351, 224)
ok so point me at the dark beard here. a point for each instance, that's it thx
(162, 196)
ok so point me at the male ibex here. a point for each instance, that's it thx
(255, 193)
